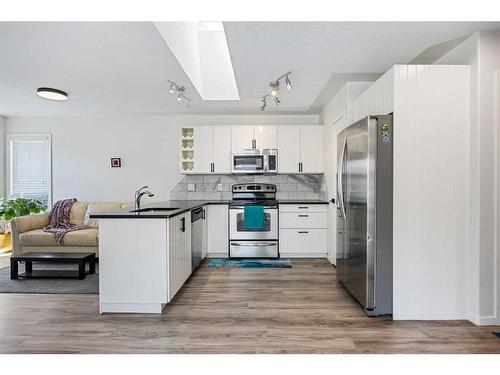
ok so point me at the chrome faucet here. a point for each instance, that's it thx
(139, 194)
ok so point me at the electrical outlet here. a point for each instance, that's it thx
(219, 187)
(191, 187)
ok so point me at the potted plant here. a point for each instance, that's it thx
(11, 208)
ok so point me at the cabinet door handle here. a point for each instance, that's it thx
(183, 224)
(303, 215)
(303, 232)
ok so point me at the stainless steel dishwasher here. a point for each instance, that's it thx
(197, 228)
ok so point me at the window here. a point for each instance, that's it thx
(29, 167)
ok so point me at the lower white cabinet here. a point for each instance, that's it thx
(303, 243)
(179, 252)
(217, 231)
(303, 231)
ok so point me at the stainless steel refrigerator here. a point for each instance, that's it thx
(364, 212)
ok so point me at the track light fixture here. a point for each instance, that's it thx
(174, 87)
(275, 86)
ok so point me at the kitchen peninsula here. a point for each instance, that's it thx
(145, 256)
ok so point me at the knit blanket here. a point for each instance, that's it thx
(59, 217)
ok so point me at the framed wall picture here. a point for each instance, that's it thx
(116, 162)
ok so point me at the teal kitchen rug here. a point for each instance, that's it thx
(249, 263)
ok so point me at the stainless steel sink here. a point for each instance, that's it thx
(155, 209)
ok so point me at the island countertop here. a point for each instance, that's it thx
(165, 210)
(168, 209)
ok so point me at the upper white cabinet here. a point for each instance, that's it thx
(206, 149)
(288, 149)
(242, 137)
(311, 149)
(265, 137)
(258, 137)
(221, 149)
(202, 149)
(300, 149)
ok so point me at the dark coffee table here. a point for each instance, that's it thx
(71, 258)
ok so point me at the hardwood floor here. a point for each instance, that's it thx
(298, 310)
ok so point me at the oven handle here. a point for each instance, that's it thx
(242, 207)
(254, 244)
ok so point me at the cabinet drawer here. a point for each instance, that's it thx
(303, 220)
(303, 241)
(303, 207)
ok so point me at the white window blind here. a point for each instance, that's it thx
(30, 167)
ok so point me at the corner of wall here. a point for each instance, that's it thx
(2, 156)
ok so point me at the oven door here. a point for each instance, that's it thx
(248, 163)
(237, 230)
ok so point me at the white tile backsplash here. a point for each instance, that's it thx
(288, 186)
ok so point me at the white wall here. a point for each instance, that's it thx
(2, 157)
(482, 53)
(148, 145)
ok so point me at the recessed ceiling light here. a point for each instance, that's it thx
(51, 94)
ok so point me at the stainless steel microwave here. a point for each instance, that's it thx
(255, 161)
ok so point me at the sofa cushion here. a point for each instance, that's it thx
(30, 222)
(37, 237)
(77, 213)
(96, 207)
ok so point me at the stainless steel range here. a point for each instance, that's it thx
(245, 242)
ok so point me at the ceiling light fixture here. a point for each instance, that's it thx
(51, 94)
(275, 86)
(180, 90)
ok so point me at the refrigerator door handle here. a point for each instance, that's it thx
(340, 180)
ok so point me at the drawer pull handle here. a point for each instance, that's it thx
(303, 232)
(303, 215)
(303, 208)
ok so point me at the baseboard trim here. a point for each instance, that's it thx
(140, 308)
(217, 255)
(304, 255)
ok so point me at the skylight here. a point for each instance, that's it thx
(202, 51)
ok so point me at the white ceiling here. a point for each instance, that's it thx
(123, 67)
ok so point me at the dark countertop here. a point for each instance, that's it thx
(179, 208)
(302, 201)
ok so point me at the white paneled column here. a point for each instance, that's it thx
(431, 174)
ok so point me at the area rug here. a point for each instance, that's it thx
(250, 263)
(89, 285)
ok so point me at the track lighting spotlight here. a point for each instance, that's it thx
(275, 86)
(174, 87)
(264, 104)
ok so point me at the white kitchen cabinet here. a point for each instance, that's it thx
(202, 149)
(265, 137)
(303, 243)
(300, 149)
(303, 230)
(206, 149)
(217, 231)
(179, 252)
(242, 137)
(257, 137)
(288, 149)
(221, 149)
(311, 149)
